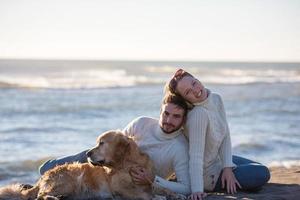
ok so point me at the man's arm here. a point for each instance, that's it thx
(130, 129)
(142, 177)
(80, 157)
(181, 168)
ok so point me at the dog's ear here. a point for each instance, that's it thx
(121, 148)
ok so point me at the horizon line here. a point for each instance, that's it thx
(150, 60)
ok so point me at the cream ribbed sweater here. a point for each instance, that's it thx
(169, 152)
(209, 143)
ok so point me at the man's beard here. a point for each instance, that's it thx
(172, 131)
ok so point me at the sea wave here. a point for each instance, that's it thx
(88, 79)
(285, 163)
(245, 76)
(20, 172)
(105, 78)
(26, 165)
(251, 146)
(37, 130)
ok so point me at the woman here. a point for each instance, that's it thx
(212, 166)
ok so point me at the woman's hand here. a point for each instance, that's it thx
(141, 176)
(197, 196)
(229, 180)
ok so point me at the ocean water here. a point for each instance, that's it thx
(55, 108)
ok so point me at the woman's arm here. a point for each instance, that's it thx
(225, 150)
(228, 179)
(196, 128)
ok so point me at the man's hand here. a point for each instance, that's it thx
(141, 176)
(229, 180)
(197, 196)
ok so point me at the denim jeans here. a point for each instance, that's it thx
(80, 157)
(251, 175)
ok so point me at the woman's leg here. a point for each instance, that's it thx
(80, 157)
(251, 175)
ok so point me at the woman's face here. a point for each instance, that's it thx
(191, 89)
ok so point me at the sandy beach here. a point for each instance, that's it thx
(48, 106)
(283, 185)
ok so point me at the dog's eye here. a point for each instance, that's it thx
(101, 143)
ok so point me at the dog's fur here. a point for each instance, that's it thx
(105, 176)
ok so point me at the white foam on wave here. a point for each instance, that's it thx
(285, 163)
(257, 72)
(231, 75)
(245, 76)
(105, 78)
(162, 69)
(171, 69)
(75, 79)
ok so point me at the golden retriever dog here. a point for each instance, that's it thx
(106, 175)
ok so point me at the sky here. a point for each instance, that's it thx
(190, 30)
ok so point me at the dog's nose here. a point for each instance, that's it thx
(89, 153)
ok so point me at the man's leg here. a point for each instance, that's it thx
(80, 157)
(251, 175)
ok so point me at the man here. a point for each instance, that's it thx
(162, 140)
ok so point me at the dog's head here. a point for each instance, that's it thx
(110, 149)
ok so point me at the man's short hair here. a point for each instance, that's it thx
(176, 100)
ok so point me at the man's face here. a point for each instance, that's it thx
(171, 118)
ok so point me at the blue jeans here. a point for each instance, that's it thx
(251, 175)
(80, 157)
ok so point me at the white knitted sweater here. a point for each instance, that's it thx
(209, 143)
(169, 152)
